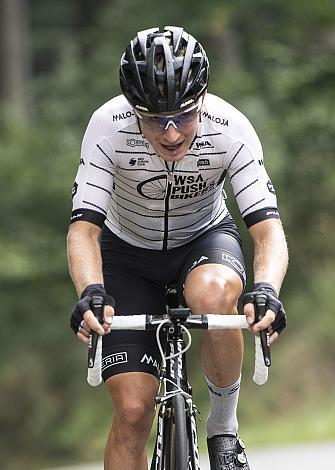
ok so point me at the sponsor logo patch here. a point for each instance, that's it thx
(137, 143)
(137, 106)
(275, 213)
(270, 187)
(76, 216)
(148, 359)
(203, 162)
(186, 103)
(216, 119)
(204, 144)
(197, 261)
(234, 262)
(113, 360)
(74, 189)
(183, 187)
(139, 161)
(121, 116)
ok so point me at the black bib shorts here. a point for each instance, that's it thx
(138, 278)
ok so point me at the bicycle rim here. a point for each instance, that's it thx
(176, 449)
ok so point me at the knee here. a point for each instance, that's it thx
(213, 294)
(135, 413)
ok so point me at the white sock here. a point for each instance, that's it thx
(222, 418)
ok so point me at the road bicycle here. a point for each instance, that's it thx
(176, 446)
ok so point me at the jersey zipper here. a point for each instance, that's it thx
(169, 182)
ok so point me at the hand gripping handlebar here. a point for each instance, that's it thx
(204, 322)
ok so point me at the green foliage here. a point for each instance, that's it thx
(274, 61)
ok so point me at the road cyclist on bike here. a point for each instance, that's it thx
(149, 210)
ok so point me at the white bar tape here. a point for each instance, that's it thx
(226, 321)
(94, 374)
(128, 322)
(261, 371)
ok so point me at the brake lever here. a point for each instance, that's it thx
(260, 310)
(97, 307)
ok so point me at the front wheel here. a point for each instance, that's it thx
(176, 448)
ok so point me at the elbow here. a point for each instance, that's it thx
(82, 231)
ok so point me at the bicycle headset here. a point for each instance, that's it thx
(163, 71)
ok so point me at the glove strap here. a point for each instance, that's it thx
(267, 287)
(93, 289)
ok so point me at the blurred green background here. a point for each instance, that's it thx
(272, 59)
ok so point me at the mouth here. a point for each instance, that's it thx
(172, 148)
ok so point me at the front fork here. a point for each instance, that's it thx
(191, 425)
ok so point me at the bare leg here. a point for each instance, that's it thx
(133, 396)
(214, 288)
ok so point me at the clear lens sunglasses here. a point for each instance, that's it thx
(159, 122)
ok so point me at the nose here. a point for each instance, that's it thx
(171, 133)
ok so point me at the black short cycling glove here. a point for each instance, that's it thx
(84, 304)
(272, 303)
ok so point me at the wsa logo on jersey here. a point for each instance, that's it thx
(182, 187)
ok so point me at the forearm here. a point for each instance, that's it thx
(270, 253)
(84, 258)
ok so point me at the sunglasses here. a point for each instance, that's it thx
(158, 122)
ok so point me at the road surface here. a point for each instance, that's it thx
(305, 456)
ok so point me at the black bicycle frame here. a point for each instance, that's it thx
(174, 379)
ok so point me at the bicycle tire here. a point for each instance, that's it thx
(176, 448)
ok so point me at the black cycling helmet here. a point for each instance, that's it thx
(163, 71)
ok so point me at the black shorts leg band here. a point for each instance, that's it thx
(135, 357)
(216, 248)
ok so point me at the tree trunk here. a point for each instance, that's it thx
(15, 57)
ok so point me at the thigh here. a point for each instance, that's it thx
(215, 248)
(132, 390)
(132, 351)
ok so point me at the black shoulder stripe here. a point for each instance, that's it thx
(260, 215)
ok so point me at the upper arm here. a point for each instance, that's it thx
(92, 189)
(252, 187)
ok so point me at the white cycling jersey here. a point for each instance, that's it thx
(148, 203)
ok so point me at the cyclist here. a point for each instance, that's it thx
(149, 210)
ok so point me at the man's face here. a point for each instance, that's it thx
(171, 135)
